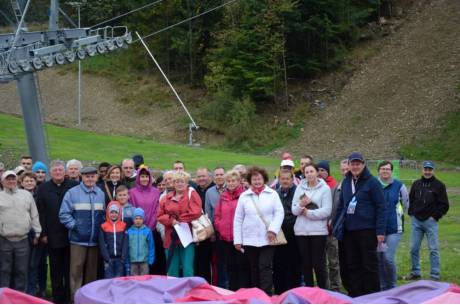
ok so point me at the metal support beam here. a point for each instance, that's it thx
(32, 117)
(54, 15)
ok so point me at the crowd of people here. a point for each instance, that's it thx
(298, 228)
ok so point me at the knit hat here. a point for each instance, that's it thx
(138, 160)
(138, 212)
(39, 166)
(324, 165)
(114, 208)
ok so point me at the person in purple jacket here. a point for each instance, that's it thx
(145, 196)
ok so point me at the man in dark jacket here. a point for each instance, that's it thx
(203, 251)
(286, 272)
(428, 203)
(363, 208)
(54, 234)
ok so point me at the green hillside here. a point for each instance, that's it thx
(67, 143)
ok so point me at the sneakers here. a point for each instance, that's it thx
(413, 277)
(436, 279)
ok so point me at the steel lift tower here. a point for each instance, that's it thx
(23, 53)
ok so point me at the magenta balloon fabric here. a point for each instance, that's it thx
(135, 290)
(160, 289)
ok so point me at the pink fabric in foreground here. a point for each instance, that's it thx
(11, 296)
(313, 295)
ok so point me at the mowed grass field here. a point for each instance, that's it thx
(65, 143)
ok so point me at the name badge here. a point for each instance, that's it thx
(352, 205)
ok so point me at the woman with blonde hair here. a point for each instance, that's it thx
(182, 205)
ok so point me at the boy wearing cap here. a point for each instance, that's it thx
(113, 242)
(140, 246)
(18, 215)
(427, 204)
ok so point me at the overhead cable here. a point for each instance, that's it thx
(185, 20)
(126, 14)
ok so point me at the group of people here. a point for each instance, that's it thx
(117, 220)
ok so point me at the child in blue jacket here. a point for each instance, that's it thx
(141, 246)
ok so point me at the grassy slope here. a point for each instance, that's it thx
(69, 143)
(442, 145)
(66, 143)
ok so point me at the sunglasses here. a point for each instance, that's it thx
(40, 172)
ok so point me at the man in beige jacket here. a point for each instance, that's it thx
(18, 215)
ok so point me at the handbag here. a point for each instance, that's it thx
(280, 238)
(202, 228)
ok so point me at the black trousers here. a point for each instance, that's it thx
(203, 254)
(59, 271)
(236, 266)
(261, 266)
(313, 256)
(159, 266)
(343, 266)
(286, 271)
(361, 259)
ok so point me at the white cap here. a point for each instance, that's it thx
(8, 173)
(19, 169)
(287, 163)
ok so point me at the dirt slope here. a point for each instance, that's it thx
(397, 95)
(101, 109)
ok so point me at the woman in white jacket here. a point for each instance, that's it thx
(250, 234)
(312, 205)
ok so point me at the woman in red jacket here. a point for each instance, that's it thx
(236, 263)
(179, 206)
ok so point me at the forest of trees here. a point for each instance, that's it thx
(244, 53)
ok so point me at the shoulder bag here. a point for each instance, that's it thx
(280, 238)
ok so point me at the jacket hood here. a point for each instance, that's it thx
(304, 184)
(233, 195)
(143, 170)
(110, 206)
(111, 226)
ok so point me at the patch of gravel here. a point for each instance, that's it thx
(398, 95)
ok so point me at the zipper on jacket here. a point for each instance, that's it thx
(92, 219)
(138, 241)
(114, 239)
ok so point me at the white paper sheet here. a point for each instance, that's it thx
(184, 233)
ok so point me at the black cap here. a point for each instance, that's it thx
(356, 156)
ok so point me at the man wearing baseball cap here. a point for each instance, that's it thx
(18, 215)
(361, 217)
(82, 213)
(427, 204)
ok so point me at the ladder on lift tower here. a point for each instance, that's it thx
(17, 10)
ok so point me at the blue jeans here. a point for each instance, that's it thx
(430, 228)
(114, 268)
(387, 263)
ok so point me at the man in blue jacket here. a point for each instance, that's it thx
(82, 213)
(362, 210)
